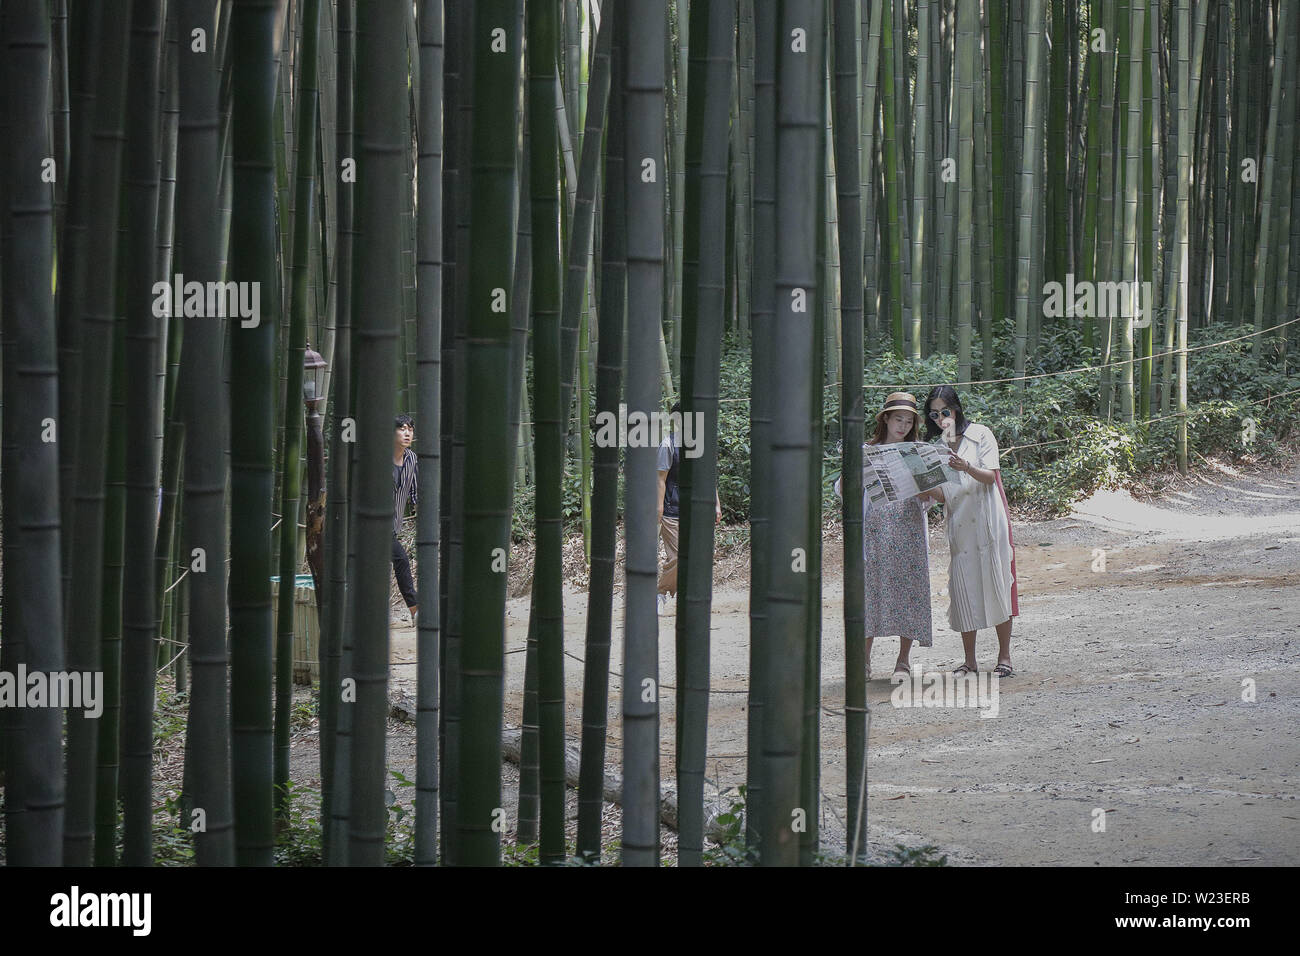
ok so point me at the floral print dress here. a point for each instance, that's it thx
(896, 569)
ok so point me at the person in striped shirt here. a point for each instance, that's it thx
(406, 487)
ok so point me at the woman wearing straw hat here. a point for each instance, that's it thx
(895, 549)
(982, 576)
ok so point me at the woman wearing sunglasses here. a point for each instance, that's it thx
(982, 575)
(895, 549)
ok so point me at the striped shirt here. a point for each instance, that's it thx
(406, 484)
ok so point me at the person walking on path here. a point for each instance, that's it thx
(670, 511)
(406, 487)
(982, 575)
(896, 549)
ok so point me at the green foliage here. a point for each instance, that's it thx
(732, 851)
(529, 854)
(173, 844)
(519, 854)
(916, 856)
(400, 845)
(1055, 449)
(298, 836)
(170, 713)
(305, 710)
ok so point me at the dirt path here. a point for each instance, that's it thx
(1128, 696)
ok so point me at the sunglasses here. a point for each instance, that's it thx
(947, 413)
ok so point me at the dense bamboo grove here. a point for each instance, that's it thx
(501, 216)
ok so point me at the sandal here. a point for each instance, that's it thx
(966, 669)
(902, 670)
(1004, 670)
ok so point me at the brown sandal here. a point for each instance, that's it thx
(965, 669)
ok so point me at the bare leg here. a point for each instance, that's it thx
(968, 642)
(904, 652)
(1004, 642)
(869, 640)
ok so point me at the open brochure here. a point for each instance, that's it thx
(900, 470)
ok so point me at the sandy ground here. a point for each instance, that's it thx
(1129, 694)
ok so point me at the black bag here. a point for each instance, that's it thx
(671, 505)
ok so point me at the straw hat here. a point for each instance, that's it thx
(900, 401)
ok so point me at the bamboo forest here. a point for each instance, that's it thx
(708, 341)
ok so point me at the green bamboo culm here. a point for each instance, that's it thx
(381, 146)
(967, 46)
(302, 299)
(1185, 126)
(530, 783)
(762, 371)
(110, 655)
(604, 502)
(848, 194)
(139, 628)
(334, 608)
(252, 405)
(95, 329)
(645, 28)
(428, 297)
(1030, 178)
(892, 242)
(1266, 249)
(458, 100)
(810, 730)
(85, 52)
(488, 488)
(208, 726)
(703, 300)
(799, 125)
(549, 418)
(33, 612)
(575, 310)
(922, 178)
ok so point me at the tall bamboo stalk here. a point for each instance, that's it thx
(334, 612)
(762, 374)
(208, 726)
(305, 123)
(643, 183)
(921, 175)
(458, 93)
(96, 322)
(1265, 249)
(488, 438)
(548, 416)
(604, 504)
(577, 258)
(703, 295)
(967, 44)
(1132, 185)
(800, 80)
(428, 291)
(252, 401)
(142, 451)
(847, 158)
(1180, 225)
(1030, 165)
(892, 238)
(33, 612)
(381, 146)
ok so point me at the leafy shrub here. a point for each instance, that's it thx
(1055, 447)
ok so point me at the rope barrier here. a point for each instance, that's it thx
(1149, 421)
(1069, 371)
